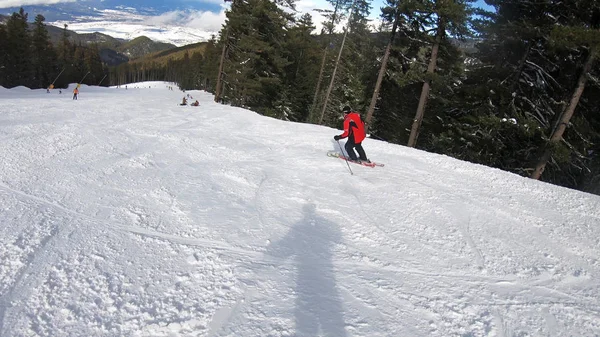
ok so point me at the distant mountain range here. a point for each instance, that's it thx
(113, 51)
(66, 10)
(179, 22)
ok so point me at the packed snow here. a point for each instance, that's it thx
(125, 214)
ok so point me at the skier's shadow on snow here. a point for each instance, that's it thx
(318, 303)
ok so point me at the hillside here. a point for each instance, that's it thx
(112, 51)
(103, 40)
(142, 46)
(126, 214)
(176, 53)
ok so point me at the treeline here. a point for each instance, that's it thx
(525, 99)
(28, 58)
(190, 72)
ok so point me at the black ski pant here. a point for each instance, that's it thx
(351, 145)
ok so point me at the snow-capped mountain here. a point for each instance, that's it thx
(180, 22)
(142, 26)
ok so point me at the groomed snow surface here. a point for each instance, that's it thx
(125, 214)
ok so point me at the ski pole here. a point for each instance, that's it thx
(345, 157)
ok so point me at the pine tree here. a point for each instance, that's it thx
(65, 52)
(391, 14)
(446, 16)
(257, 59)
(300, 73)
(225, 43)
(326, 99)
(580, 31)
(196, 60)
(4, 56)
(43, 55)
(518, 85)
(357, 68)
(210, 65)
(353, 68)
(93, 65)
(406, 72)
(18, 43)
(504, 105)
(333, 18)
(79, 66)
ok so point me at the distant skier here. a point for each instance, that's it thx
(196, 103)
(184, 102)
(354, 129)
(75, 93)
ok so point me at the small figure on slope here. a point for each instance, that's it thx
(354, 129)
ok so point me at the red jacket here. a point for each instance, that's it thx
(354, 127)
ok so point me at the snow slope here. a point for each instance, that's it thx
(124, 214)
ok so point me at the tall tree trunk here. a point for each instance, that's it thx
(386, 57)
(337, 62)
(414, 132)
(520, 68)
(219, 86)
(318, 88)
(560, 128)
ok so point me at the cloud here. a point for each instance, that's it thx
(203, 20)
(310, 6)
(208, 21)
(19, 3)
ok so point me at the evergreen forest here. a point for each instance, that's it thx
(516, 88)
(28, 58)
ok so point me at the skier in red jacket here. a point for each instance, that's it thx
(354, 129)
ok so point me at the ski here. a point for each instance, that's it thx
(339, 155)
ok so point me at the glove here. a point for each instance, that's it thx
(336, 137)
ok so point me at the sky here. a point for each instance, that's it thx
(16, 3)
(123, 213)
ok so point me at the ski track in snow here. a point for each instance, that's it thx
(124, 214)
